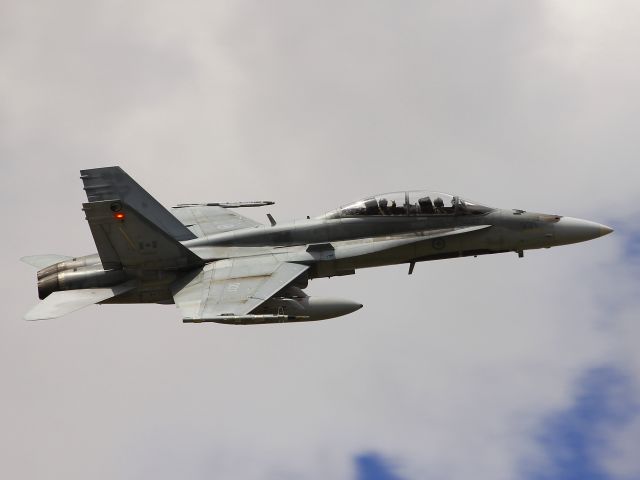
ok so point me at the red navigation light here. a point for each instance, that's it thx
(118, 216)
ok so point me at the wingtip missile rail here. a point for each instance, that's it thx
(249, 319)
(259, 203)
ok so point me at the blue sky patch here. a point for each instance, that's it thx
(629, 231)
(632, 245)
(573, 439)
(371, 466)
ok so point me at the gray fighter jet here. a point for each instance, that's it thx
(218, 266)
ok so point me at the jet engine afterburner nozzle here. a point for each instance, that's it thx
(69, 265)
(79, 278)
(47, 285)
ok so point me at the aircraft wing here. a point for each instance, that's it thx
(205, 220)
(229, 290)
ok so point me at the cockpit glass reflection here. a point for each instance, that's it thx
(410, 203)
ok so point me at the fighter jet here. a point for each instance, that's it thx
(216, 265)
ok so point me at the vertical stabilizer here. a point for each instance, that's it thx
(113, 183)
(126, 238)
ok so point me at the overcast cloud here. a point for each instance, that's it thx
(459, 371)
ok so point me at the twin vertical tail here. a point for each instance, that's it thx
(130, 228)
(132, 232)
(127, 239)
(113, 183)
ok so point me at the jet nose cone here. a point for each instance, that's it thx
(573, 230)
(604, 230)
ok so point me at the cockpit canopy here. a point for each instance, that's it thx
(410, 203)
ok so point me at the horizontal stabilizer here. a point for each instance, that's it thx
(67, 301)
(41, 261)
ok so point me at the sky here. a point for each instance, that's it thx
(489, 368)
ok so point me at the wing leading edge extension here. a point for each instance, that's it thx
(227, 291)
